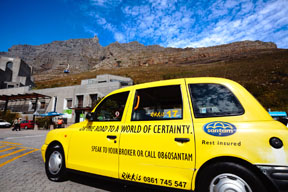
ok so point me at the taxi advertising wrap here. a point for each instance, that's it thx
(198, 134)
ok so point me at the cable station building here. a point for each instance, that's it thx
(72, 101)
(14, 72)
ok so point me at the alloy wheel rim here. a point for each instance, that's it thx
(55, 162)
(229, 183)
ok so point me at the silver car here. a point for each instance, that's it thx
(4, 124)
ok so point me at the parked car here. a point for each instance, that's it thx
(199, 134)
(27, 124)
(4, 124)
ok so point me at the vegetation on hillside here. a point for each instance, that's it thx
(265, 75)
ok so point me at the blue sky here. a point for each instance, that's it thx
(169, 23)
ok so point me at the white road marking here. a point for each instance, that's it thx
(24, 137)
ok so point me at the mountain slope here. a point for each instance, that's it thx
(264, 73)
(88, 54)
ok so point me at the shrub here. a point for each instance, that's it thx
(9, 116)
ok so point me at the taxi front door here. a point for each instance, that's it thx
(93, 147)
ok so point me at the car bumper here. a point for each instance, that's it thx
(5, 126)
(278, 175)
(43, 151)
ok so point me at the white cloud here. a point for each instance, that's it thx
(89, 30)
(231, 4)
(98, 2)
(105, 3)
(162, 4)
(257, 26)
(119, 37)
(180, 23)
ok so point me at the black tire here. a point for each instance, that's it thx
(226, 175)
(55, 166)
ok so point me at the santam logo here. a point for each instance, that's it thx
(219, 128)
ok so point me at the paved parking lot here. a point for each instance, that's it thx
(22, 168)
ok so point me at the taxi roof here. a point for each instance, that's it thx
(177, 81)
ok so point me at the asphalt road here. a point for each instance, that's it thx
(22, 168)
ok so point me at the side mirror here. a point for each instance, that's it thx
(89, 116)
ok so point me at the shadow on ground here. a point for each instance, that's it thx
(114, 185)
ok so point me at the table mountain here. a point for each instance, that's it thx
(87, 54)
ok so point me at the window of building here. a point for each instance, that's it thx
(214, 100)
(158, 103)
(9, 65)
(33, 105)
(42, 104)
(80, 99)
(124, 83)
(68, 103)
(54, 103)
(112, 108)
(93, 100)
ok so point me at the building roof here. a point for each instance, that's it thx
(23, 96)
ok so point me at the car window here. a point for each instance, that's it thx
(158, 103)
(112, 108)
(214, 100)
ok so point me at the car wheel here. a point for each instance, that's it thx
(26, 127)
(55, 164)
(228, 176)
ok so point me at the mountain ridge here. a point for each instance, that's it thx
(88, 54)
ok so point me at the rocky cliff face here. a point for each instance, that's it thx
(55, 55)
(87, 54)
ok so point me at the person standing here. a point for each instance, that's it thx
(60, 122)
(16, 124)
(19, 122)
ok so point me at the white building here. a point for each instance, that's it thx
(72, 101)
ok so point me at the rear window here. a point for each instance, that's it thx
(214, 100)
(158, 103)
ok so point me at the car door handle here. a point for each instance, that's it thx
(182, 140)
(111, 136)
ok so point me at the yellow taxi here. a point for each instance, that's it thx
(198, 134)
